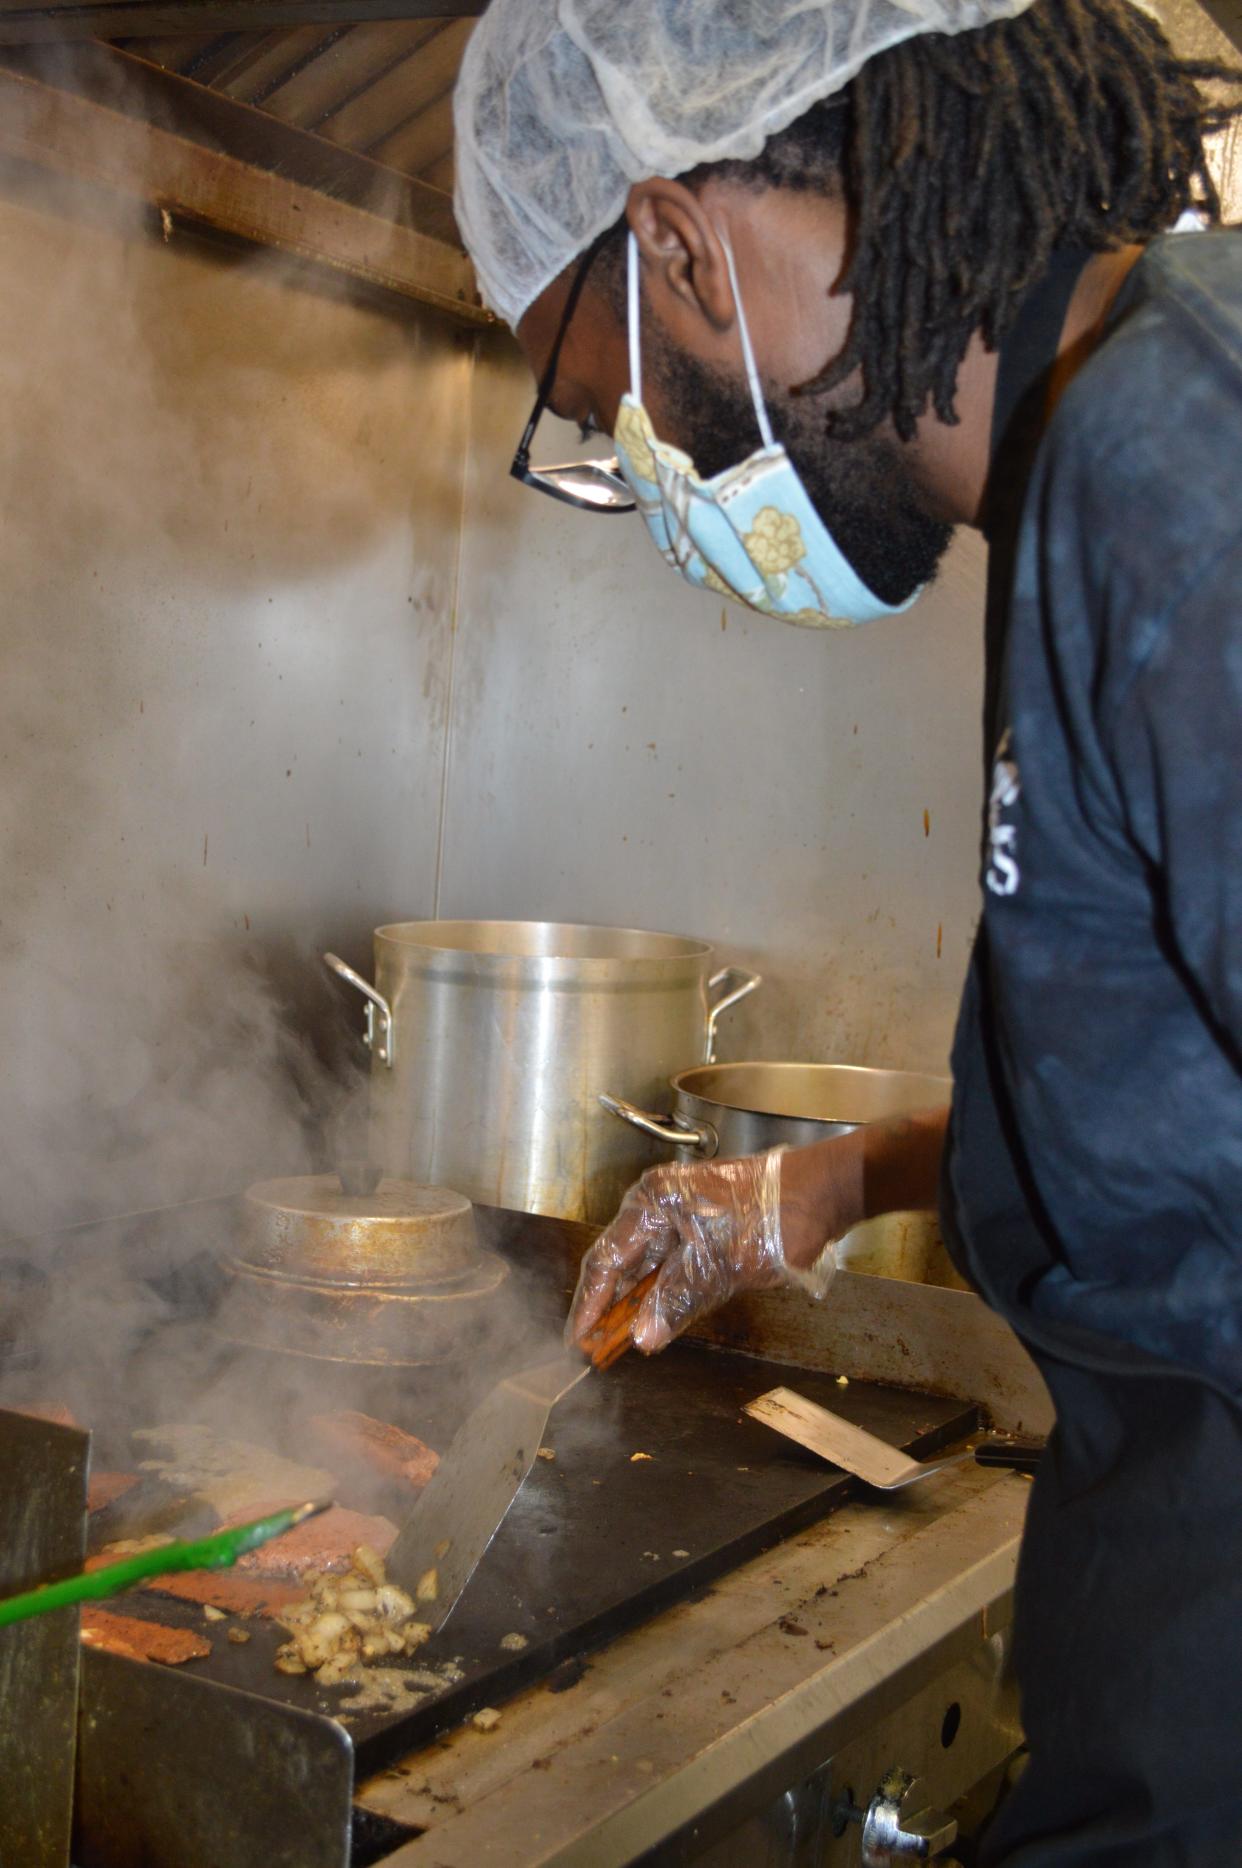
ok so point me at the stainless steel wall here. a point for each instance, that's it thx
(229, 531)
(626, 749)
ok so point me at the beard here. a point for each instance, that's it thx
(862, 490)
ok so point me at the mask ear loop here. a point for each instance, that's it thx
(631, 290)
(748, 355)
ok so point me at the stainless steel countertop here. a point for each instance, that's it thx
(715, 1701)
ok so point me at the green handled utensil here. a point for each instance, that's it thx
(216, 1552)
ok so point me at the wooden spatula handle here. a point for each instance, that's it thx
(607, 1341)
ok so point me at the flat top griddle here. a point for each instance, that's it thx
(587, 1548)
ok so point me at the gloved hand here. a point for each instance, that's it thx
(714, 1227)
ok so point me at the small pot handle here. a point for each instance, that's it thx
(669, 1129)
(725, 989)
(378, 1033)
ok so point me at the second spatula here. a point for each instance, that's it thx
(868, 1458)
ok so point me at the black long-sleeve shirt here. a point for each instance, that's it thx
(1093, 1180)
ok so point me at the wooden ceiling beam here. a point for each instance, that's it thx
(183, 49)
(124, 82)
(118, 19)
(245, 65)
(402, 92)
(414, 145)
(352, 62)
(186, 182)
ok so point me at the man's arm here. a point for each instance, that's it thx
(883, 1167)
(715, 1228)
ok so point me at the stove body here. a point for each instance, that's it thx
(778, 1658)
(743, 1730)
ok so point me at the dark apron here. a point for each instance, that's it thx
(1128, 1633)
(1128, 1612)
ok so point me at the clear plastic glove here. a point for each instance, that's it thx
(715, 1229)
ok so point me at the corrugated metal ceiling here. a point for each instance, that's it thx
(383, 89)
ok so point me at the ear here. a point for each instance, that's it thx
(683, 260)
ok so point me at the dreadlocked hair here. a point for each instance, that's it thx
(967, 158)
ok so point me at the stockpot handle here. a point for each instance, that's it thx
(378, 1033)
(725, 989)
(673, 1129)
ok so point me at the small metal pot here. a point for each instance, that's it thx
(726, 1110)
(309, 1226)
(395, 1277)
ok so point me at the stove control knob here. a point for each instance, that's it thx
(900, 1825)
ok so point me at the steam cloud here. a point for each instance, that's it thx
(228, 538)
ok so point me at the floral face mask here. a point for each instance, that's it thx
(750, 532)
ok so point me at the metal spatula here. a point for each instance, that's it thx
(857, 1451)
(464, 1504)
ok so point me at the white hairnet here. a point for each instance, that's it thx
(562, 105)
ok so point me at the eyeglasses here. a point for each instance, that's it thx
(593, 486)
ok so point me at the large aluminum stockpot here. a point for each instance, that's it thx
(726, 1110)
(491, 1041)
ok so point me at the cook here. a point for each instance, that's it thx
(838, 277)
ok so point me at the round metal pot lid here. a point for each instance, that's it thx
(307, 1225)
